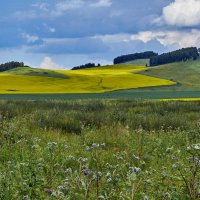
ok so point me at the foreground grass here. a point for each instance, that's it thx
(99, 150)
(96, 80)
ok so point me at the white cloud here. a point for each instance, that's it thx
(178, 39)
(64, 6)
(171, 38)
(52, 30)
(41, 6)
(46, 10)
(30, 38)
(182, 13)
(114, 38)
(49, 28)
(48, 63)
(102, 3)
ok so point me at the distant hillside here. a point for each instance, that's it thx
(186, 74)
(11, 65)
(135, 56)
(35, 72)
(138, 62)
(175, 56)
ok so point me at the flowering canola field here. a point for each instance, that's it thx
(95, 80)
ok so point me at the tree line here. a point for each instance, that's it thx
(135, 56)
(11, 65)
(88, 65)
(183, 54)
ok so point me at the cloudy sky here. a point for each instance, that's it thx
(66, 33)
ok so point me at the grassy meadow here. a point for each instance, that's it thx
(97, 80)
(99, 149)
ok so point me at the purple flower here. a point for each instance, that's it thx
(49, 191)
(87, 172)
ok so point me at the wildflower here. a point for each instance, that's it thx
(169, 149)
(108, 175)
(95, 145)
(164, 168)
(35, 146)
(61, 187)
(37, 140)
(120, 158)
(66, 146)
(51, 145)
(167, 195)
(70, 157)
(26, 197)
(83, 160)
(194, 160)
(174, 158)
(148, 181)
(87, 172)
(103, 145)
(99, 175)
(137, 171)
(12, 172)
(68, 171)
(24, 164)
(109, 180)
(19, 141)
(49, 191)
(135, 157)
(9, 163)
(174, 167)
(109, 166)
(146, 198)
(87, 148)
(196, 146)
(66, 182)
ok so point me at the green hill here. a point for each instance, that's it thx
(138, 62)
(186, 74)
(35, 72)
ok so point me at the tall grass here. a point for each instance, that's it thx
(99, 149)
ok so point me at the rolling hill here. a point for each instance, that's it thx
(185, 74)
(138, 62)
(95, 80)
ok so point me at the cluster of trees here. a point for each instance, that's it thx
(11, 65)
(88, 65)
(135, 56)
(175, 56)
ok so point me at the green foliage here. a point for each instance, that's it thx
(11, 65)
(175, 56)
(135, 56)
(86, 66)
(99, 149)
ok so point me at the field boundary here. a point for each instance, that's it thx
(107, 95)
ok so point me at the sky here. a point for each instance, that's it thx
(61, 34)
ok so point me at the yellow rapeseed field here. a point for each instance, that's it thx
(96, 80)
